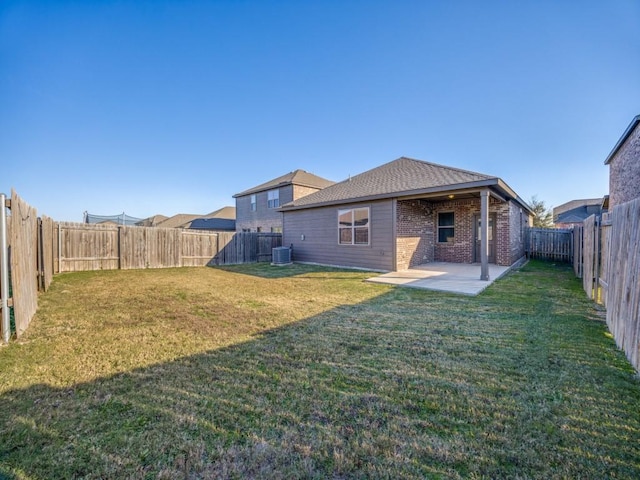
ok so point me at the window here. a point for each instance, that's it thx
(273, 198)
(353, 226)
(446, 230)
(253, 203)
(276, 229)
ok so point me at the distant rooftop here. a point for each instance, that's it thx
(572, 204)
(297, 177)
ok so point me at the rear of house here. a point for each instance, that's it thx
(406, 213)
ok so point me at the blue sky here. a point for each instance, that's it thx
(169, 107)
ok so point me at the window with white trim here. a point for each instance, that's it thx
(254, 204)
(273, 198)
(353, 226)
(446, 229)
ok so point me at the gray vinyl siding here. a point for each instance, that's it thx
(320, 229)
(263, 216)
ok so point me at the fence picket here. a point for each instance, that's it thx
(549, 244)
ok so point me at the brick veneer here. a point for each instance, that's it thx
(416, 231)
(624, 171)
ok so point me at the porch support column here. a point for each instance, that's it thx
(484, 235)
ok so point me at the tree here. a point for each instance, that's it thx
(544, 216)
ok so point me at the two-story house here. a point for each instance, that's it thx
(257, 209)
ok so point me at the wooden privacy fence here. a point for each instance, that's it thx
(621, 248)
(610, 271)
(39, 247)
(549, 244)
(24, 263)
(246, 247)
(83, 247)
(592, 263)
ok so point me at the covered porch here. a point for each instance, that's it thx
(464, 279)
(457, 226)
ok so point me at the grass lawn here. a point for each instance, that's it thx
(307, 372)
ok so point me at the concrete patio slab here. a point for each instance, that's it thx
(447, 277)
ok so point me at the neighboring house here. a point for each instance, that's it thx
(180, 220)
(406, 213)
(573, 213)
(222, 219)
(624, 166)
(152, 221)
(215, 224)
(257, 209)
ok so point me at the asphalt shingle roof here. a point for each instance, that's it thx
(224, 212)
(213, 224)
(391, 179)
(297, 177)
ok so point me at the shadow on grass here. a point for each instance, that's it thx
(410, 384)
(266, 270)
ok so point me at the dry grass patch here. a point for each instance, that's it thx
(93, 324)
(256, 372)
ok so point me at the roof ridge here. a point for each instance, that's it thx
(288, 178)
(462, 170)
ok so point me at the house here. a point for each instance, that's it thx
(214, 224)
(573, 213)
(257, 209)
(624, 166)
(152, 221)
(180, 220)
(405, 213)
(222, 219)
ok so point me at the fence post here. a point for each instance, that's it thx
(59, 247)
(40, 254)
(4, 270)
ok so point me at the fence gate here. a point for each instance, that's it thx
(549, 244)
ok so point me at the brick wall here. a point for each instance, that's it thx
(503, 232)
(300, 191)
(624, 171)
(461, 249)
(417, 232)
(518, 220)
(415, 229)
